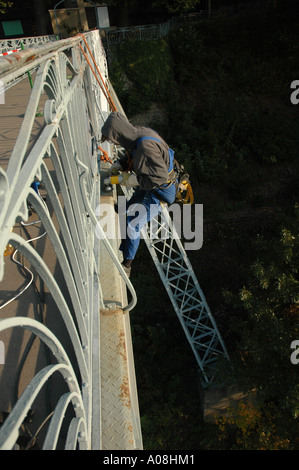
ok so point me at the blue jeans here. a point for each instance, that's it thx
(147, 205)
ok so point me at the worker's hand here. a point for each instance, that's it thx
(124, 179)
(129, 179)
(115, 168)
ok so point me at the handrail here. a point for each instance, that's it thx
(8, 44)
(103, 237)
(33, 56)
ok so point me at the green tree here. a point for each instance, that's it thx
(228, 130)
(149, 6)
(272, 302)
(4, 5)
(123, 7)
(41, 16)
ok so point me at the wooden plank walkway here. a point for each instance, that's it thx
(11, 116)
(25, 354)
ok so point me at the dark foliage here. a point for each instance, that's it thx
(225, 88)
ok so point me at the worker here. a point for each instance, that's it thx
(151, 175)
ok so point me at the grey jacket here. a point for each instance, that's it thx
(150, 160)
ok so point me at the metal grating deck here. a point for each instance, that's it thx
(119, 404)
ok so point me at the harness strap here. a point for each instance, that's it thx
(184, 196)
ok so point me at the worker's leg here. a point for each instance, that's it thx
(142, 207)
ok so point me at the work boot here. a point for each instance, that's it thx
(127, 264)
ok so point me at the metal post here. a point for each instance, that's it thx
(57, 4)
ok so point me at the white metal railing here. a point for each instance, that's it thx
(9, 46)
(141, 33)
(63, 158)
(146, 32)
(15, 43)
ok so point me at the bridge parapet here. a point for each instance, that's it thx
(50, 188)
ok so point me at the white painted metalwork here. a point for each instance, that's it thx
(63, 158)
(186, 295)
(15, 43)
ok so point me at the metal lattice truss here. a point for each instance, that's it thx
(187, 298)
